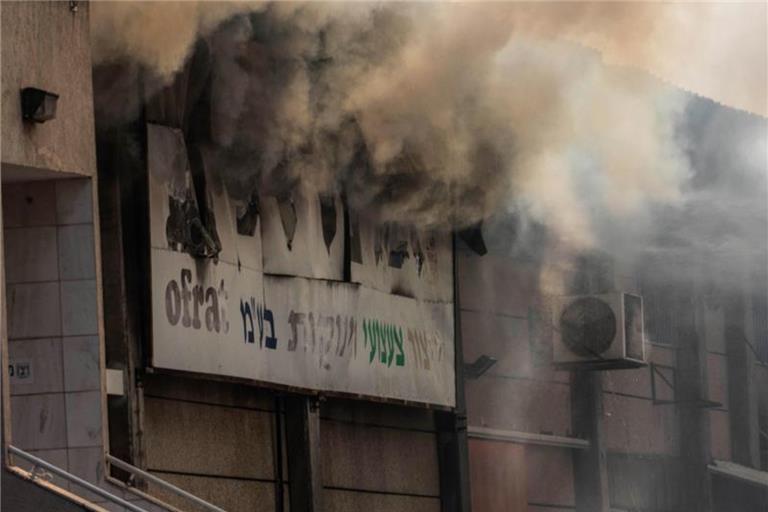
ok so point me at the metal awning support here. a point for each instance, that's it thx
(162, 483)
(38, 462)
(739, 472)
(515, 436)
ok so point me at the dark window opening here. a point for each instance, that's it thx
(399, 254)
(380, 243)
(328, 218)
(473, 237)
(191, 231)
(288, 217)
(355, 246)
(249, 218)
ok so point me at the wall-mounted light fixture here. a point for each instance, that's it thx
(481, 365)
(38, 105)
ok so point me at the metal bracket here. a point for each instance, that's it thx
(670, 380)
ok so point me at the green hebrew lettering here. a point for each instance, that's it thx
(382, 345)
(400, 360)
(368, 332)
(384, 341)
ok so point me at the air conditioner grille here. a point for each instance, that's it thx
(588, 326)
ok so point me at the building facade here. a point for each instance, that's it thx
(184, 347)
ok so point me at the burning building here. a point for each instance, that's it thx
(284, 257)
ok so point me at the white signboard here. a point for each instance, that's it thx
(226, 316)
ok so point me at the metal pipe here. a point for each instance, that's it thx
(528, 438)
(162, 483)
(279, 491)
(75, 479)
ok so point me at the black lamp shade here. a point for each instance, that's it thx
(38, 105)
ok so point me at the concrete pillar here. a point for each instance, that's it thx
(589, 466)
(453, 448)
(4, 398)
(125, 284)
(742, 397)
(453, 460)
(695, 442)
(302, 418)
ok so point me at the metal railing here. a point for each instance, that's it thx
(40, 463)
(162, 483)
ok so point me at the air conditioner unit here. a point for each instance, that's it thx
(598, 332)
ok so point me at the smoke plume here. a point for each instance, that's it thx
(435, 114)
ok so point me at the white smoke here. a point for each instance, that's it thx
(461, 110)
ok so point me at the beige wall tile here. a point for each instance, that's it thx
(83, 419)
(81, 363)
(76, 252)
(89, 464)
(43, 359)
(38, 422)
(33, 310)
(78, 308)
(29, 204)
(74, 203)
(30, 254)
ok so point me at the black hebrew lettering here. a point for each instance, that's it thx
(427, 348)
(294, 319)
(263, 318)
(186, 296)
(210, 300)
(247, 313)
(223, 296)
(350, 339)
(212, 318)
(312, 330)
(199, 298)
(323, 335)
(260, 319)
(172, 302)
(271, 340)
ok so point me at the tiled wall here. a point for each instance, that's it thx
(53, 342)
(214, 439)
(377, 457)
(52, 312)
